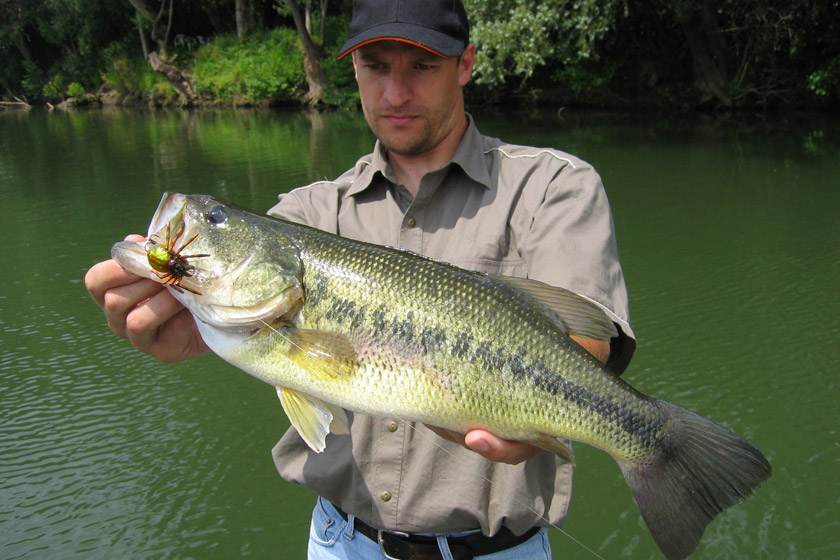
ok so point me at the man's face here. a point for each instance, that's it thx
(411, 98)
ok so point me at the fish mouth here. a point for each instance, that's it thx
(168, 221)
(132, 256)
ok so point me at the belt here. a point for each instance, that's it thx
(397, 545)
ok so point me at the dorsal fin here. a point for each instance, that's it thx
(577, 314)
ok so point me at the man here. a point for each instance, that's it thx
(434, 185)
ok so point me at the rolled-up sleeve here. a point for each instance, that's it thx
(571, 243)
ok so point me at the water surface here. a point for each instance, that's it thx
(727, 232)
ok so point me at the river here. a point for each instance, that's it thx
(728, 233)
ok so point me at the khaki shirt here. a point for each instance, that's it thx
(497, 208)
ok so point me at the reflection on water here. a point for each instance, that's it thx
(727, 231)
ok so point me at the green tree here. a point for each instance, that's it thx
(756, 52)
(53, 42)
(516, 37)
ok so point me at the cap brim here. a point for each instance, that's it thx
(423, 37)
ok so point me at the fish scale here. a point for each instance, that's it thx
(338, 324)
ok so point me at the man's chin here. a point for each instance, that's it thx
(404, 146)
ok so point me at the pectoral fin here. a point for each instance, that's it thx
(324, 354)
(312, 417)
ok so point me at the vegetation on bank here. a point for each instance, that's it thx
(268, 68)
(712, 54)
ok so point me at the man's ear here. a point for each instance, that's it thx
(465, 64)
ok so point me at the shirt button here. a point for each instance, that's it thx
(412, 222)
(393, 426)
(386, 496)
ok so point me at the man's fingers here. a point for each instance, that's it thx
(105, 276)
(490, 446)
(120, 301)
(108, 274)
(143, 322)
(143, 311)
(495, 448)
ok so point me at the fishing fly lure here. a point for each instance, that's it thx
(169, 264)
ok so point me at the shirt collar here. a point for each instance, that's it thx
(469, 156)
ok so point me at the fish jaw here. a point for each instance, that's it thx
(133, 257)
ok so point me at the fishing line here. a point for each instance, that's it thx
(519, 502)
(447, 451)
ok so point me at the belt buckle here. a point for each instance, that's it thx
(380, 538)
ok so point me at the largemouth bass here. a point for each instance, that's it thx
(336, 324)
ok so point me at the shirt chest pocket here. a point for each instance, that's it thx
(485, 250)
(501, 267)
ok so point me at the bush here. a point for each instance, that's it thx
(76, 90)
(266, 67)
(54, 89)
(825, 82)
(33, 81)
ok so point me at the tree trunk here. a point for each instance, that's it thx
(312, 55)
(180, 82)
(23, 47)
(144, 41)
(317, 80)
(142, 8)
(245, 22)
(708, 52)
(174, 76)
(323, 19)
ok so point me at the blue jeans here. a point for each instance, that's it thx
(333, 538)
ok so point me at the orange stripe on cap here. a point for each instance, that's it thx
(410, 42)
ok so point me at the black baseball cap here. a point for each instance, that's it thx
(439, 26)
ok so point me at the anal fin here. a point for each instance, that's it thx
(560, 447)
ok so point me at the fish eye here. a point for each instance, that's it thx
(217, 215)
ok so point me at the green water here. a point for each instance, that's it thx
(728, 232)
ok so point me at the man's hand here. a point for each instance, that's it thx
(145, 313)
(491, 446)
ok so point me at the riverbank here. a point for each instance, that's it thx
(267, 71)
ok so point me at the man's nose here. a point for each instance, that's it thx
(398, 88)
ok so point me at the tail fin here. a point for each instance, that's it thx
(702, 470)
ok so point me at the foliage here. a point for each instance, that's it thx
(62, 39)
(53, 90)
(33, 80)
(268, 66)
(76, 90)
(825, 82)
(686, 53)
(343, 91)
(515, 37)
